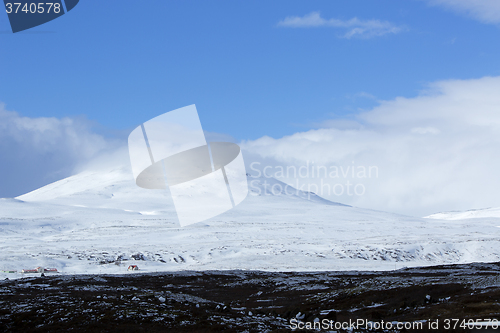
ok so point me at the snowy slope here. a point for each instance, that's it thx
(469, 214)
(93, 221)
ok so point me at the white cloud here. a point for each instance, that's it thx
(352, 28)
(425, 130)
(434, 152)
(37, 151)
(486, 11)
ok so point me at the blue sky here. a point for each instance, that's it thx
(120, 63)
(411, 86)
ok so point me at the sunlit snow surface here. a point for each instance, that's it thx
(469, 214)
(84, 223)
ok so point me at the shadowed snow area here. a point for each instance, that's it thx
(100, 222)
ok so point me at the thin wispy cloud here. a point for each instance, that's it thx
(485, 11)
(351, 28)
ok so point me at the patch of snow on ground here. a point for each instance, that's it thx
(102, 222)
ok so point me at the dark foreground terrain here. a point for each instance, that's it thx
(249, 301)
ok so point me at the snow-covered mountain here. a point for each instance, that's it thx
(95, 220)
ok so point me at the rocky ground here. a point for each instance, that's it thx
(252, 301)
